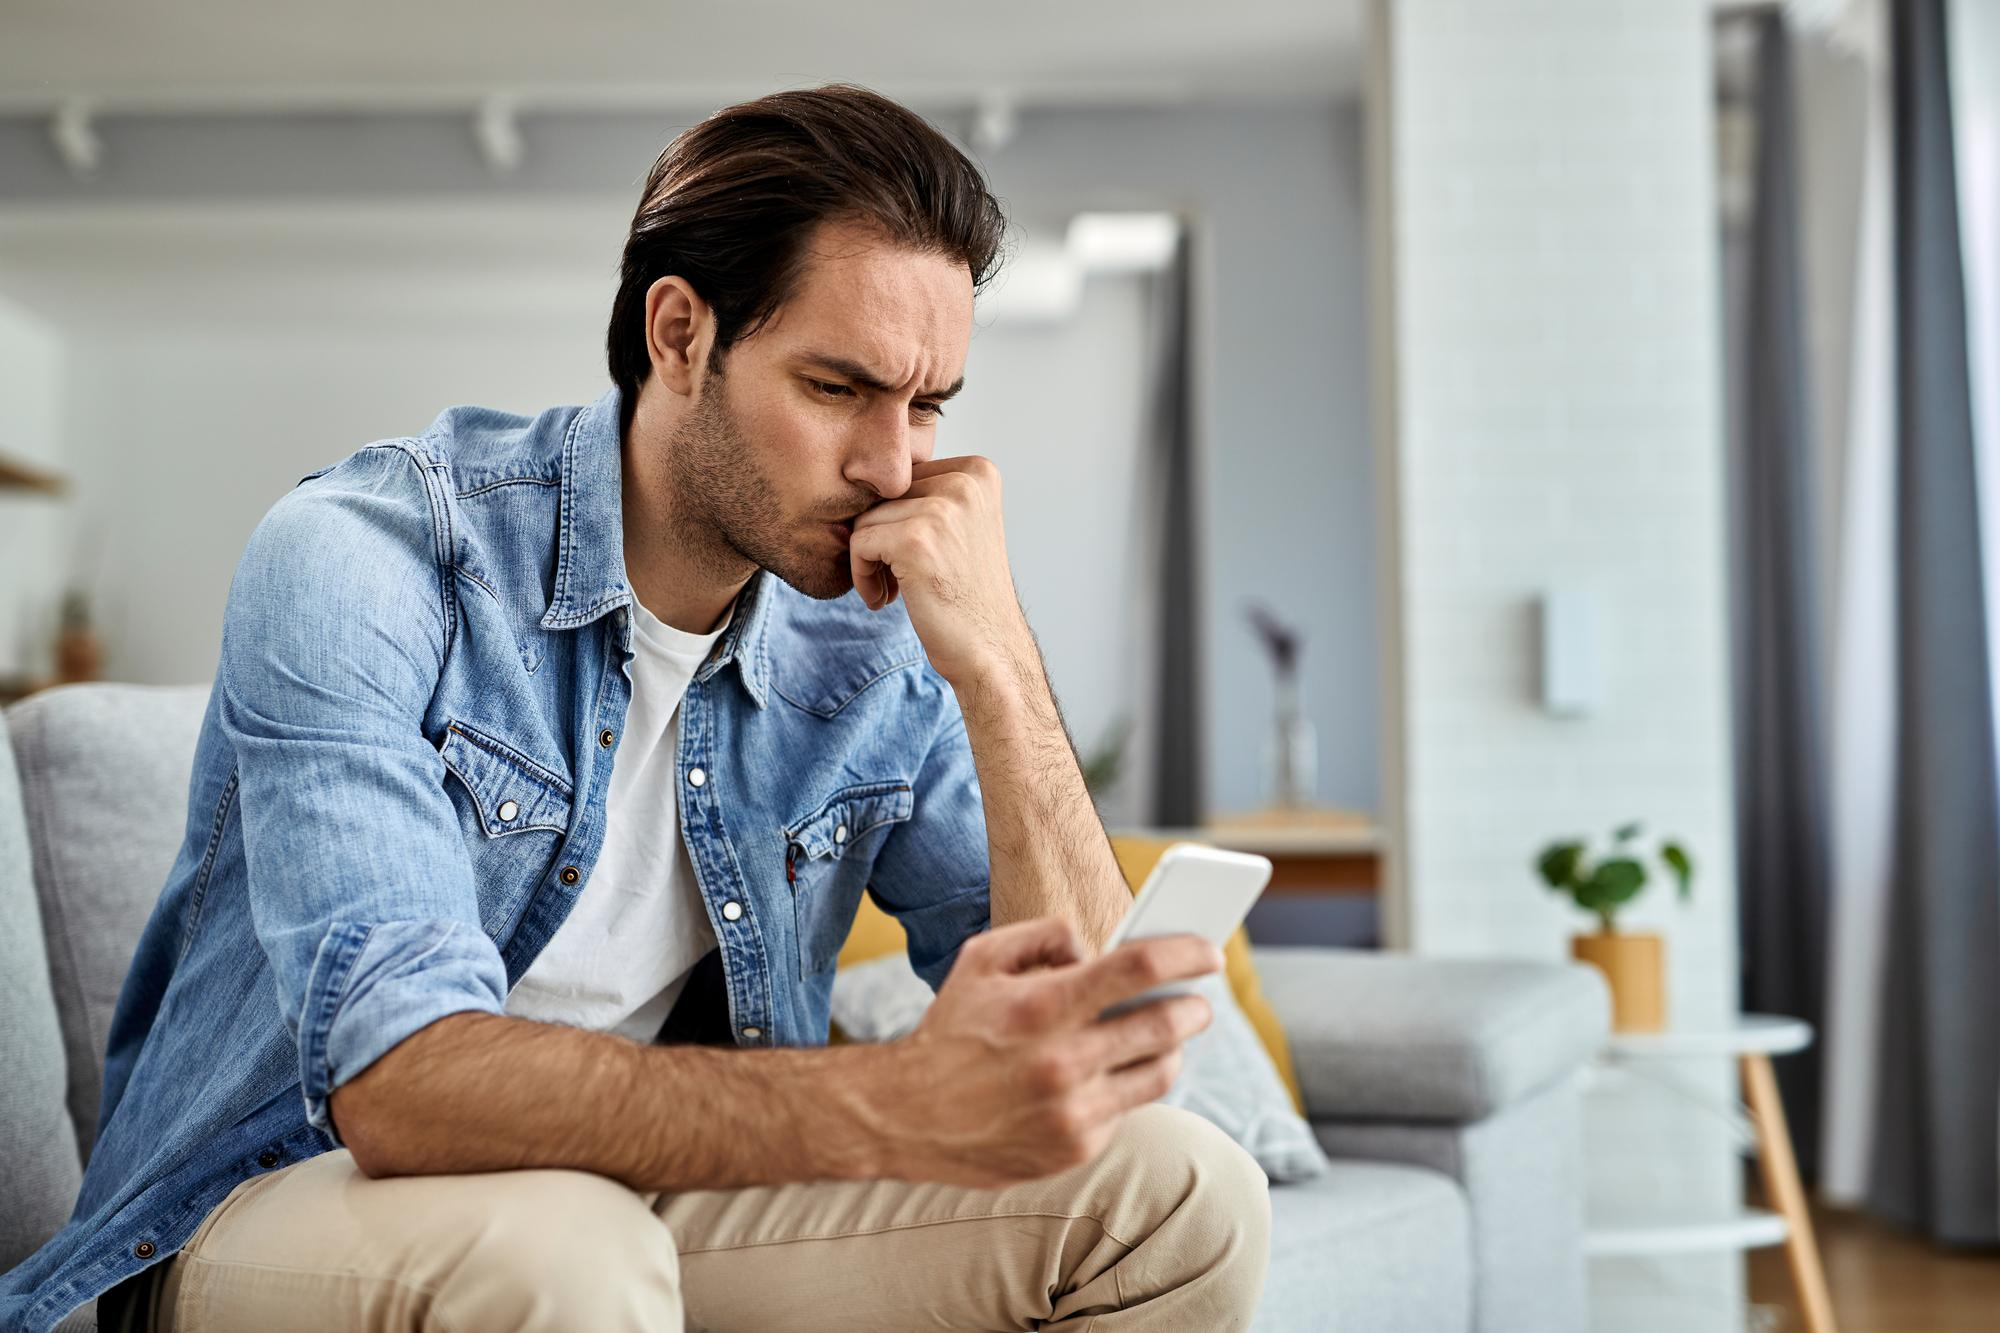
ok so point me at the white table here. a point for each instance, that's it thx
(1753, 1040)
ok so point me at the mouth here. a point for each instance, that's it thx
(842, 530)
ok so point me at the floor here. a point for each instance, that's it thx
(1883, 1280)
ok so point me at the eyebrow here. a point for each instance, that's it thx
(867, 379)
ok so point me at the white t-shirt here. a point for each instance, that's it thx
(621, 956)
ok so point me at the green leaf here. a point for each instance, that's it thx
(1676, 857)
(1558, 865)
(1618, 880)
(1627, 832)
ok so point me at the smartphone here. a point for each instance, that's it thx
(1193, 890)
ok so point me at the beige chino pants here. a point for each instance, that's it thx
(1168, 1228)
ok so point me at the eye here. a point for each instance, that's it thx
(828, 390)
(931, 411)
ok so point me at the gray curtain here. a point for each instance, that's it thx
(1782, 833)
(1177, 776)
(1938, 1099)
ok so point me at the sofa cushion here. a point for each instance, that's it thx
(104, 783)
(1387, 1036)
(38, 1156)
(1369, 1245)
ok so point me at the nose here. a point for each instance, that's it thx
(879, 454)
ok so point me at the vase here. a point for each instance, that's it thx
(1291, 754)
(1635, 968)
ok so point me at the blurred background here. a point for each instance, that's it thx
(1436, 432)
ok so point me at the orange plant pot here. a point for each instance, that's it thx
(1635, 967)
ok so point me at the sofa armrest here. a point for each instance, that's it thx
(1378, 1036)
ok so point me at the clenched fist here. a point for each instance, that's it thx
(943, 546)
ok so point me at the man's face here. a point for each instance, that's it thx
(820, 413)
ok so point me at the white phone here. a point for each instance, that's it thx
(1193, 890)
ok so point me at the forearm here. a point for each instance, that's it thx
(479, 1092)
(1046, 847)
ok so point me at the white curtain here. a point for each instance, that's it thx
(1863, 620)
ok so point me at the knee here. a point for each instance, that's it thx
(571, 1249)
(1189, 1164)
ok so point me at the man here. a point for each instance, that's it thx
(544, 770)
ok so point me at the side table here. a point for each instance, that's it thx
(1753, 1040)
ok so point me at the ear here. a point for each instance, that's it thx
(679, 329)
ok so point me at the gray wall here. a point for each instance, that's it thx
(1286, 482)
(1274, 192)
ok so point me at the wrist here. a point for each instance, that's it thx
(1003, 681)
(853, 1130)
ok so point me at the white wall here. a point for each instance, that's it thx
(34, 528)
(1553, 418)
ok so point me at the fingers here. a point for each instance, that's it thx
(977, 466)
(1046, 941)
(1145, 1033)
(1141, 1082)
(869, 549)
(1137, 966)
(910, 504)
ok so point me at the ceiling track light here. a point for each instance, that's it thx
(75, 138)
(497, 127)
(995, 121)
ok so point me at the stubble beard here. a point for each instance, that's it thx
(727, 512)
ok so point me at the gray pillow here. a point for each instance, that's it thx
(1226, 1076)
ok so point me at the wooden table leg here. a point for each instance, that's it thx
(1781, 1181)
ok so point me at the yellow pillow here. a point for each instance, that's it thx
(876, 933)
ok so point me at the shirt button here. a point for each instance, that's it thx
(570, 875)
(731, 910)
(267, 1160)
(606, 737)
(753, 1032)
(144, 1249)
(840, 834)
(696, 777)
(507, 811)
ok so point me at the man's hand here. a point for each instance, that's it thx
(943, 546)
(1011, 1076)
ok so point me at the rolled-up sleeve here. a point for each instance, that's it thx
(932, 873)
(361, 888)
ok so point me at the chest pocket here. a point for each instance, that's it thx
(829, 856)
(510, 792)
(513, 813)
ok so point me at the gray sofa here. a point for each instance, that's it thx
(1447, 1092)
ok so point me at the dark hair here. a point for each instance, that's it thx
(731, 202)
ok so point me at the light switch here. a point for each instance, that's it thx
(1572, 676)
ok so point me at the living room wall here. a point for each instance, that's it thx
(196, 336)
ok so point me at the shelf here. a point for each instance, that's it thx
(18, 475)
(1751, 1229)
(1752, 1034)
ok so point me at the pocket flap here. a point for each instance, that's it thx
(847, 814)
(511, 792)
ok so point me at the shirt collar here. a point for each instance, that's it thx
(590, 564)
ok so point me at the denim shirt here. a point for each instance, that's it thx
(399, 792)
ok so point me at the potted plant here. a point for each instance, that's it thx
(1601, 880)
